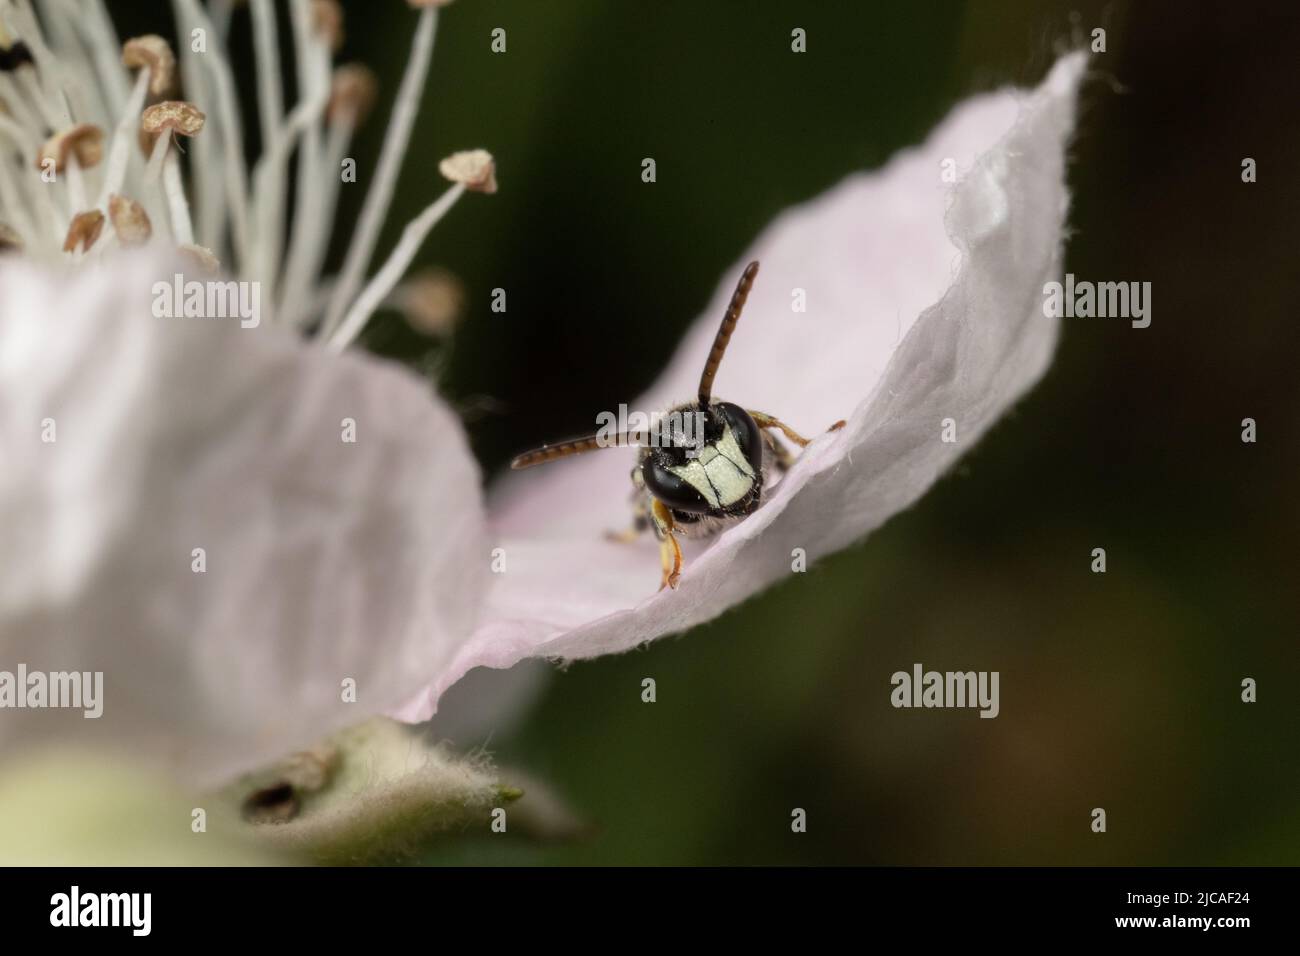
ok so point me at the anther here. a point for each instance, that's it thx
(84, 141)
(153, 53)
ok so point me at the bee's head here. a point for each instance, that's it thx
(706, 434)
(704, 459)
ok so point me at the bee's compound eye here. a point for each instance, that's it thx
(746, 431)
(671, 489)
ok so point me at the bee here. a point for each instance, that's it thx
(706, 470)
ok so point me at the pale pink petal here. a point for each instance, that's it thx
(325, 560)
(924, 303)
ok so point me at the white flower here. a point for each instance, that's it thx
(182, 504)
(328, 561)
(924, 304)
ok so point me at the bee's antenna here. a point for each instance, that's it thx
(729, 320)
(576, 446)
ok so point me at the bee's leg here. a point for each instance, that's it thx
(670, 552)
(781, 456)
(765, 421)
(640, 513)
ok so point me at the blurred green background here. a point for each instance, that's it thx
(1119, 690)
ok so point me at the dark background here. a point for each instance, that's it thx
(1119, 690)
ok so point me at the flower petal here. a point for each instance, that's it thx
(923, 303)
(325, 559)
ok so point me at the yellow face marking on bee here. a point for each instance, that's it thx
(721, 473)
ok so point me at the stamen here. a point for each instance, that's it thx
(399, 260)
(73, 44)
(49, 100)
(155, 194)
(83, 141)
(75, 83)
(190, 13)
(266, 49)
(221, 13)
(327, 22)
(174, 189)
(85, 229)
(130, 221)
(202, 258)
(174, 115)
(165, 119)
(432, 301)
(352, 95)
(123, 135)
(473, 167)
(205, 159)
(76, 186)
(99, 35)
(312, 62)
(154, 54)
(380, 194)
(268, 189)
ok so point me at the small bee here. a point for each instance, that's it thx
(694, 481)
